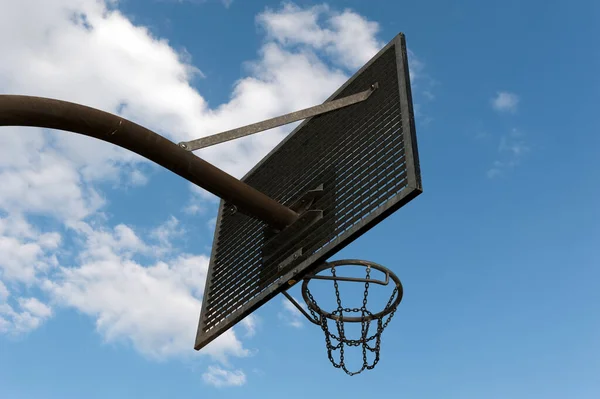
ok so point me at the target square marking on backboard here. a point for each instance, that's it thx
(362, 159)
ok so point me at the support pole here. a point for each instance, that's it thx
(278, 121)
(55, 114)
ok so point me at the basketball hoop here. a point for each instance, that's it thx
(337, 341)
(349, 165)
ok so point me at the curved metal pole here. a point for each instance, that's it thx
(55, 114)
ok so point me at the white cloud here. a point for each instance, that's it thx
(193, 209)
(104, 63)
(220, 378)
(3, 292)
(35, 307)
(416, 67)
(120, 243)
(250, 323)
(137, 178)
(347, 37)
(511, 150)
(290, 314)
(31, 314)
(26, 252)
(49, 185)
(226, 3)
(154, 307)
(165, 234)
(422, 86)
(505, 102)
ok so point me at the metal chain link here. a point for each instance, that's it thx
(366, 318)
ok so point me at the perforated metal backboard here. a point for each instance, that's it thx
(365, 159)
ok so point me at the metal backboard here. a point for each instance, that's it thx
(364, 157)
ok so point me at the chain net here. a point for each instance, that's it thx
(337, 342)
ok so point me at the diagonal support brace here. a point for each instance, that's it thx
(277, 121)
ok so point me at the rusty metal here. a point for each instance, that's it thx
(340, 315)
(55, 114)
(278, 121)
(354, 279)
(337, 341)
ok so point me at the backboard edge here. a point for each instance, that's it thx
(197, 344)
(406, 104)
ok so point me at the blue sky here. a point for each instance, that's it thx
(104, 255)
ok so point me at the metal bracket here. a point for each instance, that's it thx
(290, 259)
(277, 121)
(285, 236)
(354, 279)
(308, 217)
(305, 202)
(299, 307)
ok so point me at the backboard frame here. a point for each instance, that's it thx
(412, 190)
